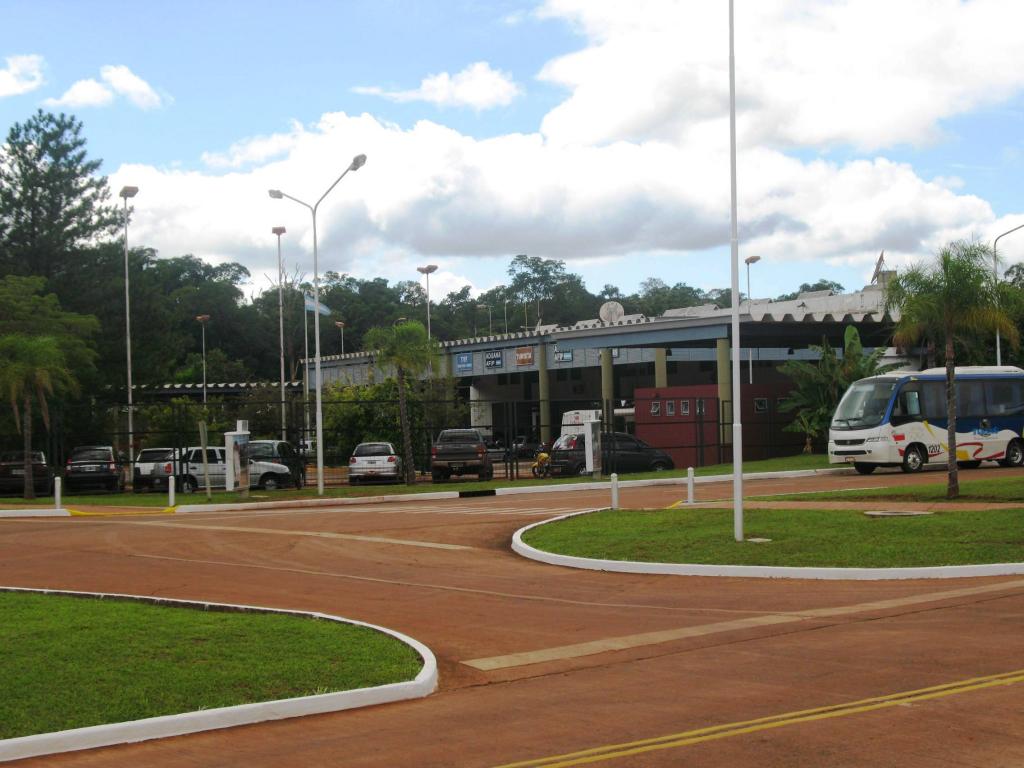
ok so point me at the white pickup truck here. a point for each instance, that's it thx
(267, 475)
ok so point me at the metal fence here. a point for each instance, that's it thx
(513, 428)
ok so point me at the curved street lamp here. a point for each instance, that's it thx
(357, 162)
(280, 319)
(428, 271)
(202, 320)
(125, 193)
(995, 273)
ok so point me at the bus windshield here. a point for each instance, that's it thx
(864, 404)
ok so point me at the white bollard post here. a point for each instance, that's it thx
(56, 493)
(615, 490)
(170, 491)
(689, 485)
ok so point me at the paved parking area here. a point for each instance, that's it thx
(542, 665)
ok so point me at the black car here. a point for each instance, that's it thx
(93, 466)
(12, 473)
(620, 452)
(280, 452)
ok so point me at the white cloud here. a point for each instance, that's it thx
(258, 149)
(84, 93)
(126, 83)
(477, 86)
(21, 75)
(863, 73)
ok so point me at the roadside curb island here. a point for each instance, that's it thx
(602, 485)
(753, 571)
(133, 731)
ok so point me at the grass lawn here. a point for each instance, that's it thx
(798, 538)
(997, 488)
(159, 500)
(71, 662)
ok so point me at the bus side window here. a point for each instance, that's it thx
(970, 398)
(934, 396)
(1004, 397)
(908, 405)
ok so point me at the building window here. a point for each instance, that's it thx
(684, 407)
(655, 407)
(670, 407)
(700, 406)
(760, 405)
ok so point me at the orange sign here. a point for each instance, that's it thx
(524, 355)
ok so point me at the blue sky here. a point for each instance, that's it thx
(593, 132)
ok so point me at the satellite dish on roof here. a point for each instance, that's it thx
(611, 312)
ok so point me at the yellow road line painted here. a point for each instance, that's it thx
(135, 512)
(711, 733)
(314, 534)
(603, 645)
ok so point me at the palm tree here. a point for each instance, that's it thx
(32, 368)
(407, 348)
(949, 301)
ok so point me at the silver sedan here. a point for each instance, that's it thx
(374, 461)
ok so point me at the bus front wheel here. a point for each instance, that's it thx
(864, 469)
(913, 459)
(1014, 454)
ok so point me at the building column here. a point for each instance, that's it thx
(447, 360)
(724, 373)
(544, 392)
(607, 388)
(661, 367)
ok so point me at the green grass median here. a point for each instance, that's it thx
(1000, 489)
(806, 538)
(71, 662)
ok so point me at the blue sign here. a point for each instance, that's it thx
(464, 362)
(563, 356)
(493, 358)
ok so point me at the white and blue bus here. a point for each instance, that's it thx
(900, 419)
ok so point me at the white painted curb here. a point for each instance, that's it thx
(755, 571)
(91, 737)
(35, 512)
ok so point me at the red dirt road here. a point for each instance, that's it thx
(619, 658)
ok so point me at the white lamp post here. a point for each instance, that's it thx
(737, 426)
(995, 273)
(125, 193)
(280, 320)
(506, 316)
(357, 162)
(340, 325)
(202, 320)
(428, 271)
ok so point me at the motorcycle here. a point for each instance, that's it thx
(541, 466)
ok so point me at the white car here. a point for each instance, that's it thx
(267, 475)
(374, 461)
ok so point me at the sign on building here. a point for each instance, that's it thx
(563, 356)
(464, 362)
(494, 358)
(524, 355)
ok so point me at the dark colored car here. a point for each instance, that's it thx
(280, 452)
(93, 466)
(12, 473)
(153, 467)
(460, 452)
(525, 447)
(620, 452)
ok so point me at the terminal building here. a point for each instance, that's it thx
(671, 373)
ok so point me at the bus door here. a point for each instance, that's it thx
(907, 417)
(1005, 403)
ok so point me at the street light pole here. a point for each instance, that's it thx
(357, 162)
(280, 319)
(506, 316)
(995, 274)
(737, 426)
(125, 193)
(340, 325)
(202, 319)
(428, 270)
